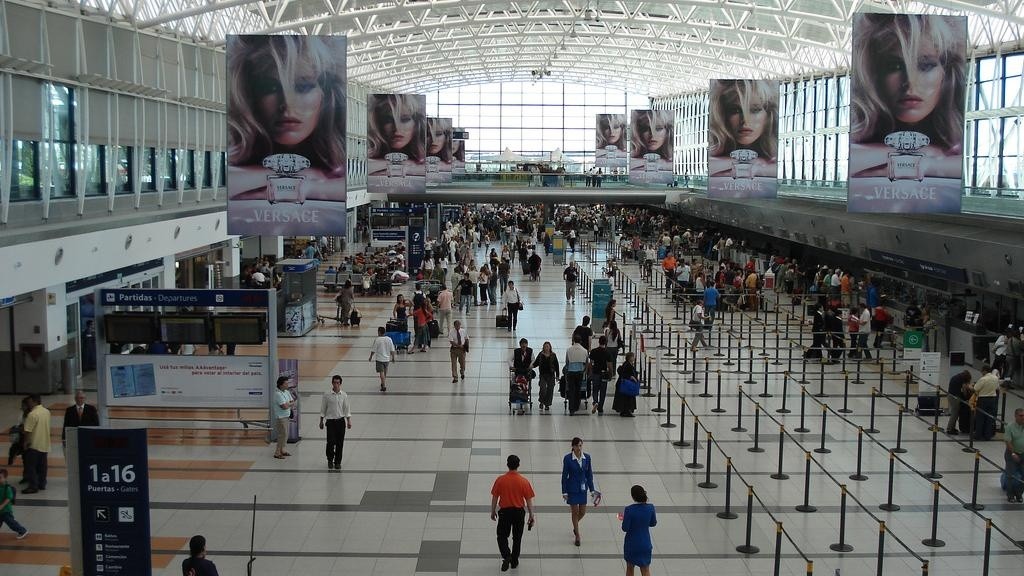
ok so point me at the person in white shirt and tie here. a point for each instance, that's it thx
(459, 341)
(337, 415)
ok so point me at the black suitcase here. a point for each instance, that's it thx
(501, 321)
(927, 405)
(397, 326)
(435, 329)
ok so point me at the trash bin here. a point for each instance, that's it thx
(69, 374)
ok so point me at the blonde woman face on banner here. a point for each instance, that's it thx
(399, 128)
(656, 134)
(613, 133)
(747, 126)
(437, 139)
(912, 91)
(289, 109)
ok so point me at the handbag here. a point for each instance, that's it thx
(520, 300)
(629, 387)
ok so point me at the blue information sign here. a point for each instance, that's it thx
(922, 266)
(185, 298)
(113, 471)
(416, 247)
(602, 295)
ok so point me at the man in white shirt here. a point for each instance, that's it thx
(459, 346)
(577, 364)
(445, 298)
(335, 412)
(384, 350)
(512, 304)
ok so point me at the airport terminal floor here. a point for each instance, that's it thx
(413, 492)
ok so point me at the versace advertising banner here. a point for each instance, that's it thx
(651, 142)
(439, 150)
(396, 143)
(286, 135)
(610, 141)
(907, 98)
(743, 139)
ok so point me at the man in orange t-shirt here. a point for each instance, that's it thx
(513, 492)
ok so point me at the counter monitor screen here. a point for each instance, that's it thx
(239, 329)
(129, 328)
(185, 329)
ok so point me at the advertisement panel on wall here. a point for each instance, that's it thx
(458, 157)
(743, 139)
(610, 141)
(651, 141)
(161, 380)
(907, 96)
(439, 150)
(396, 143)
(286, 135)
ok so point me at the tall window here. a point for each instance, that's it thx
(125, 173)
(148, 165)
(170, 169)
(61, 127)
(95, 163)
(532, 120)
(190, 169)
(25, 171)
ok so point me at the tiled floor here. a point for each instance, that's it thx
(413, 494)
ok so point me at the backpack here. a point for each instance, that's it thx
(570, 275)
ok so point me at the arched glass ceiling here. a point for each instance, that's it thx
(658, 47)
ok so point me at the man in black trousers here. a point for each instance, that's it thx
(512, 492)
(336, 414)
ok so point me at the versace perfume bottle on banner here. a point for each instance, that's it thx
(905, 162)
(396, 164)
(743, 164)
(650, 164)
(285, 184)
(433, 164)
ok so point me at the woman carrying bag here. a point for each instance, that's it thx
(625, 403)
(546, 364)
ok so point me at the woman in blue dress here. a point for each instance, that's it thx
(637, 521)
(577, 480)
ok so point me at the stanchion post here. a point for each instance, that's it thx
(899, 449)
(778, 547)
(756, 448)
(705, 393)
(889, 506)
(750, 368)
(988, 547)
(881, 548)
(693, 464)
(973, 504)
(846, 395)
(932, 473)
(728, 514)
(747, 547)
(821, 448)
(668, 405)
(739, 411)
(821, 383)
(803, 411)
(785, 394)
(779, 474)
(707, 483)
(871, 421)
(934, 542)
(859, 475)
(765, 393)
(842, 546)
(718, 392)
(806, 507)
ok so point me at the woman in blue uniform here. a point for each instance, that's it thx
(637, 521)
(577, 480)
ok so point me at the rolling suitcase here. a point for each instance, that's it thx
(435, 329)
(397, 326)
(402, 340)
(501, 321)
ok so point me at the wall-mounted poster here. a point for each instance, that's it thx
(396, 143)
(610, 141)
(439, 150)
(459, 157)
(286, 135)
(743, 139)
(907, 98)
(651, 141)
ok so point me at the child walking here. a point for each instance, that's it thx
(7, 506)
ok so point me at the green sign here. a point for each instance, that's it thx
(913, 339)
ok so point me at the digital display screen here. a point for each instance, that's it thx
(130, 328)
(239, 329)
(133, 380)
(185, 329)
